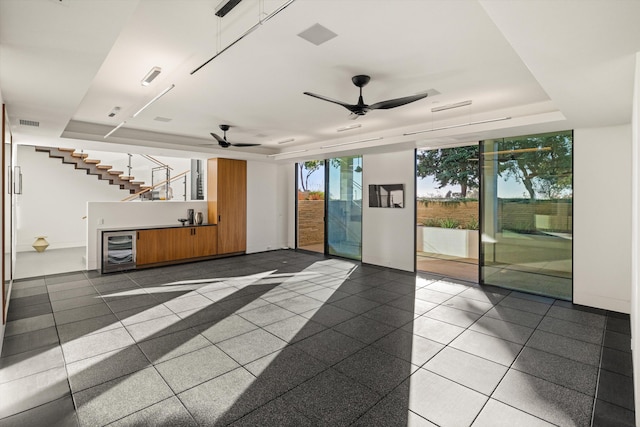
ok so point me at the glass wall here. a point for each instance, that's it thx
(526, 213)
(344, 207)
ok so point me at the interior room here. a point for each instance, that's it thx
(300, 212)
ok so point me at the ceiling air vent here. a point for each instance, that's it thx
(29, 123)
(162, 119)
(317, 34)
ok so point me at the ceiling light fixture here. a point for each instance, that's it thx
(246, 33)
(457, 126)
(114, 129)
(352, 142)
(155, 71)
(450, 106)
(288, 152)
(349, 127)
(158, 96)
(225, 7)
(286, 141)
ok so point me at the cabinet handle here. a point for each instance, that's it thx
(218, 218)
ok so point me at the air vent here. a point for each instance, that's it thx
(162, 119)
(29, 123)
(317, 34)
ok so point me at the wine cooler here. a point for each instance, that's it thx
(118, 251)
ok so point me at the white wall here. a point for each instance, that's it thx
(635, 237)
(602, 220)
(53, 200)
(109, 215)
(266, 207)
(388, 235)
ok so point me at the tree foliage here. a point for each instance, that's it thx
(306, 169)
(542, 163)
(451, 166)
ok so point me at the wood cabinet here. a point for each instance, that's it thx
(227, 203)
(166, 245)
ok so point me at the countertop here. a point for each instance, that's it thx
(152, 227)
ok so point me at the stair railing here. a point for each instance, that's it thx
(151, 188)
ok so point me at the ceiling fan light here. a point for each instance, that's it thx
(151, 75)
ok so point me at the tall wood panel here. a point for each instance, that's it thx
(227, 203)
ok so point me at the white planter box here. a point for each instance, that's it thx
(448, 241)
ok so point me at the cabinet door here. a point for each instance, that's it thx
(180, 243)
(205, 241)
(232, 206)
(150, 247)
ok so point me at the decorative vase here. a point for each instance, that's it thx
(40, 244)
(199, 218)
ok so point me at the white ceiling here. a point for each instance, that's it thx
(548, 65)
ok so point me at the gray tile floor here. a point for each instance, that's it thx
(289, 338)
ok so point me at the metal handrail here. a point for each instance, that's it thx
(146, 190)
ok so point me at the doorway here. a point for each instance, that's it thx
(447, 212)
(329, 206)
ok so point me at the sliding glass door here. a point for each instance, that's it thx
(329, 206)
(344, 207)
(526, 213)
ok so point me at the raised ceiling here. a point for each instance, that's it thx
(548, 65)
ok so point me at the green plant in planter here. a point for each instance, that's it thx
(472, 224)
(431, 222)
(449, 223)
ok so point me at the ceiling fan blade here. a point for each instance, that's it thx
(218, 138)
(244, 144)
(393, 103)
(349, 107)
(221, 141)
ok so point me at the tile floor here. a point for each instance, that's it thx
(291, 338)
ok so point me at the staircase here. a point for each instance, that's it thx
(93, 167)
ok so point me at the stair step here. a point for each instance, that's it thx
(92, 161)
(70, 150)
(137, 182)
(145, 187)
(104, 167)
(126, 178)
(116, 173)
(80, 155)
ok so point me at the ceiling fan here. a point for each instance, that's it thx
(360, 109)
(226, 144)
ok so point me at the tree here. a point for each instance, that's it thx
(542, 163)
(451, 166)
(306, 169)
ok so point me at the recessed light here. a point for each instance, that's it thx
(155, 71)
(354, 126)
(457, 126)
(352, 142)
(285, 153)
(450, 106)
